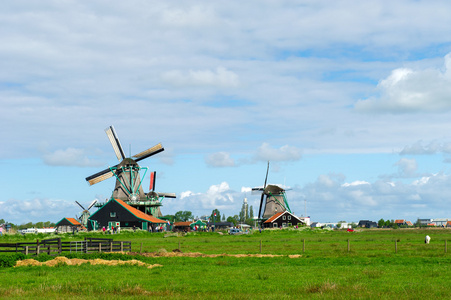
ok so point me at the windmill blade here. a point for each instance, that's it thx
(80, 205)
(263, 193)
(92, 204)
(149, 152)
(167, 195)
(112, 136)
(105, 174)
(153, 178)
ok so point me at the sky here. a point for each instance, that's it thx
(349, 101)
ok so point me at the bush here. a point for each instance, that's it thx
(10, 260)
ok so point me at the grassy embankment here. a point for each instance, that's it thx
(371, 269)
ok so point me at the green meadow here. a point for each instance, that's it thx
(367, 264)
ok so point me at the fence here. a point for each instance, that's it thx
(56, 246)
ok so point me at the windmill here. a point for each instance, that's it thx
(128, 182)
(156, 198)
(273, 200)
(85, 213)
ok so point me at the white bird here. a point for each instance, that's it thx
(427, 239)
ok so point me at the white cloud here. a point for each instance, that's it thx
(69, 157)
(285, 153)
(37, 209)
(354, 183)
(432, 148)
(220, 159)
(408, 90)
(221, 77)
(407, 167)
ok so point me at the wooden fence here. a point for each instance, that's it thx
(56, 246)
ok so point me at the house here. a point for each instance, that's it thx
(367, 224)
(283, 219)
(69, 225)
(400, 222)
(220, 225)
(182, 226)
(448, 224)
(116, 213)
(408, 223)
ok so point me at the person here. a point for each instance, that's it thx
(118, 229)
(134, 228)
(103, 229)
(1, 230)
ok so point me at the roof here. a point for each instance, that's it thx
(139, 214)
(185, 224)
(276, 216)
(72, 221)
(409, 223)
(400, 221)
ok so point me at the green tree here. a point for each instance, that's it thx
(2, 221)
(223, 217)
(251, 212)
(381, 223)
(232, 220)
(216, 218)
(183, 216)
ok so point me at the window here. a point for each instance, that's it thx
(289, 217)
(284, 224)
(289, 224)
(112, 214)
(284, 217)
(274, 224)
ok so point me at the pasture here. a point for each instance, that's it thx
(371, 264)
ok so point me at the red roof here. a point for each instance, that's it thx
(186, 224)
(274, 217)
(399, 221)
(138, 213)
(73, 221)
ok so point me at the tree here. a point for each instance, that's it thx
(251, 212)
(183, 216)
(381, 223)
(232, 220)
(223, 217)
(216, 218)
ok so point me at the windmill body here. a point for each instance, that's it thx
(128, 185)
(273, 200)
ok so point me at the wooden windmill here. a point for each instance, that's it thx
(128, 180)
(273, 200)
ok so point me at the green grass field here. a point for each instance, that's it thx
(372, 268)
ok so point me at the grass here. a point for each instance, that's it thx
(371, 270)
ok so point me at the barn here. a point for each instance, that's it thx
(68, 225)
(116, 213)
(283, 219)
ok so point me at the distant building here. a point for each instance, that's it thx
(367, 224)
(116, 213)
(68, 225)
(283, 219)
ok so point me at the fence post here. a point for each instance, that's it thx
(100, 247)
(59, 246)
(26, 250)
(122, 246)
(260, 246)
(111, 246)
(349, 246)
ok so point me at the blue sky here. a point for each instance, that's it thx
(351, 103)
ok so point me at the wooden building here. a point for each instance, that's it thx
(69, 225)
(182, 226)
(116, 213)
(283, 219)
